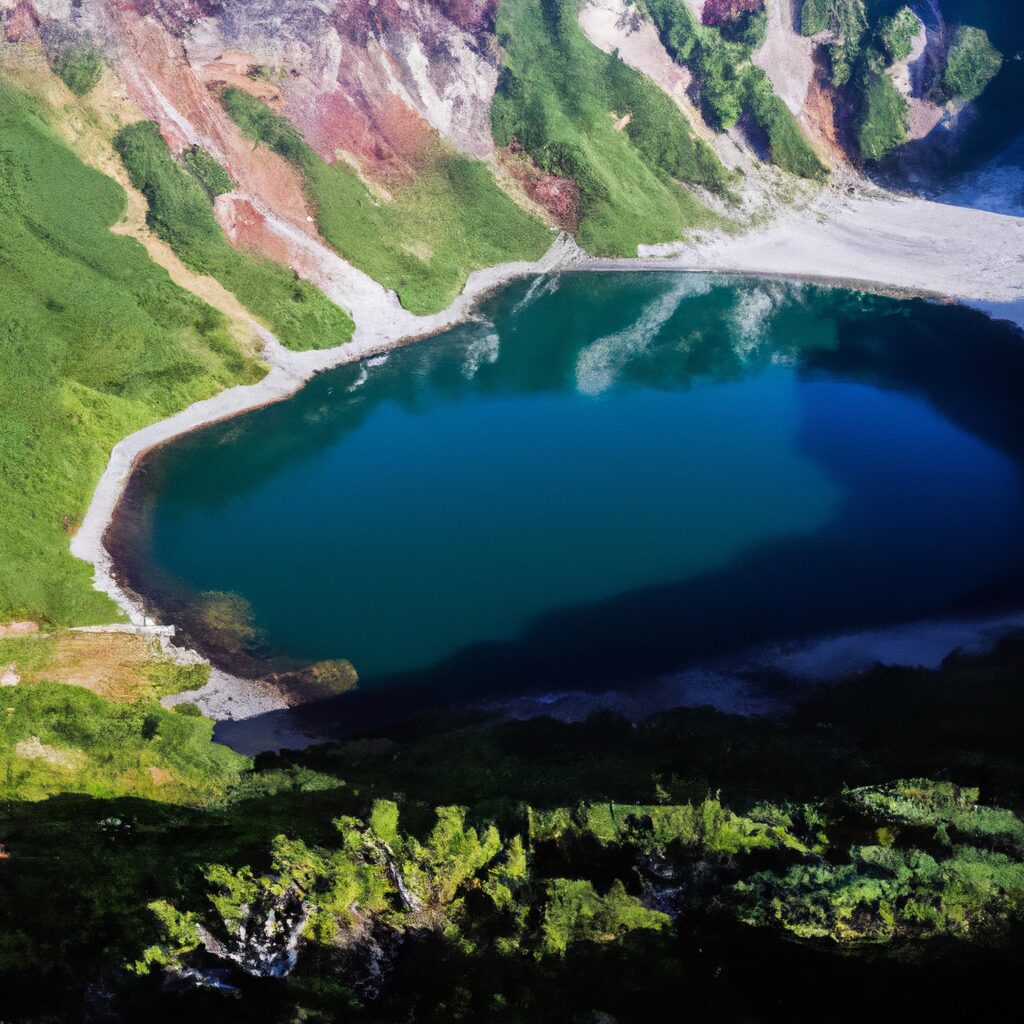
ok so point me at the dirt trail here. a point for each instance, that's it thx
(786, 57)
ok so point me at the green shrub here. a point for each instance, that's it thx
(576, 913)
(847, 20)
(259, 122)
(897, 33)
(205, 169)
(972, 62)
(787, 145)
(882, 124)
(730, 86)
(885, 893)
(424, 242)
(814, 17)
(79, 65)
(181, 213)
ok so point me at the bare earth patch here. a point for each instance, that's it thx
(18, 628)
(786, 57)
(112, 665)
(33, 749)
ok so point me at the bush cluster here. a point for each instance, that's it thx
(971, 63)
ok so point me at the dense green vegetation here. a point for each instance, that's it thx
(882, 123)
(971, 63)
(95, 342)
(77, 62)
(866, 40)
(896, 33)
(529, 871)
(205, 169)
(425, 240)
(559, 97)
(731, 86)
(787, 146)
(181, 212)
(58, 739)
(739, 21)
(847, 20)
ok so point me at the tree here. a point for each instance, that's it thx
(972, 62)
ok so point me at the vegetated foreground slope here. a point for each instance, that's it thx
(95, 342)
(521, 871)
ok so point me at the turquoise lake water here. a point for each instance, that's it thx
(604, 478)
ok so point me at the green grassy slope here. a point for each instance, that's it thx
(425, 241)
(181, 213)
(95, 342)
(60, 738)
(560, 97)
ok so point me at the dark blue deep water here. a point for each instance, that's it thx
(605, 478)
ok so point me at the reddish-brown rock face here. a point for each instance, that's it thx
(21, 23)
(380, 84)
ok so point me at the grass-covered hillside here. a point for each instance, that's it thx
(180, 197)
(454, 869)
(564, 101)
(95, 342)
(425, 238)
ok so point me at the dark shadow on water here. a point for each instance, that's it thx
(967, 367)
(775, 594)
(971, 371)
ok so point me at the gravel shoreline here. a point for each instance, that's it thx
(848, 236)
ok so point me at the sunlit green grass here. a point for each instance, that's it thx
(559, 96)
(181, 212)
(95, 342)
(56, 738)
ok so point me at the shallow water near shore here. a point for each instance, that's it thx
(602, 479)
